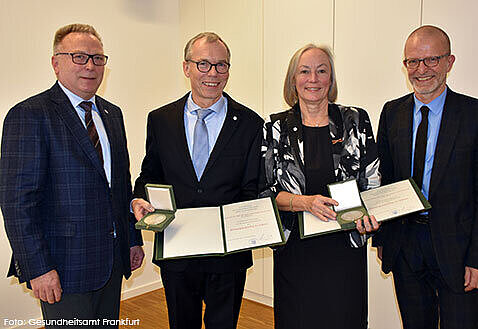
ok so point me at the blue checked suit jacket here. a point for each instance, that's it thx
(57, 205)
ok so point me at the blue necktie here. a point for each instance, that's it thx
(201, 142)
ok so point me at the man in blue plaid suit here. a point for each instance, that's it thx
(432, 134)
(65, 189)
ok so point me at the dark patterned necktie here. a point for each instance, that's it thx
(91, 128)
(420, 148)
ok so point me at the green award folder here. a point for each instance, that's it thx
(350, 208)
(218, 231)
(162, 199)
(385, 203)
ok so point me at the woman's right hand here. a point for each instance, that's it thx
(320, 206)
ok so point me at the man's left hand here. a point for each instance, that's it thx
(136, 255)
(471, 278)
(367, 224)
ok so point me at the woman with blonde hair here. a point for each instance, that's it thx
(319, 282)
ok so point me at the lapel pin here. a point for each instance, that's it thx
(294, 129)
(234, 118)
(106, 111)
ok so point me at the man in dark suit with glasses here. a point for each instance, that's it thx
(208, 147)
(432, 135)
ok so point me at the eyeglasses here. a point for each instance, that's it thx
(413, 63)
(205, 66)
(82, 58)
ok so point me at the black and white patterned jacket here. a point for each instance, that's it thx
(354, 155)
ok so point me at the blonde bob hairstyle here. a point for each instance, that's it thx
(290, 92)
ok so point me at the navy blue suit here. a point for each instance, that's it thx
(56, 202)
(450, 241)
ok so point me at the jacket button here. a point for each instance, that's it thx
(17, 269)
(199, 190)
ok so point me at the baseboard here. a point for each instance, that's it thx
(258, 298)
(130, 293)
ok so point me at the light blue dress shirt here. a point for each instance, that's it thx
(105, 145)
(214, 121)
(434, 120)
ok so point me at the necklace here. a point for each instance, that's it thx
(319, 123)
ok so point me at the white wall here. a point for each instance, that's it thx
(142, 39)
(367, 37)
(145, 39)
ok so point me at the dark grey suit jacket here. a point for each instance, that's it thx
(56, 202)
(453, 185)
(231, 173)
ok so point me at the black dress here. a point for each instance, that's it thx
(319, 282)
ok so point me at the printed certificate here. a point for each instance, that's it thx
(209, 231)
(394, 200)
(385, 203)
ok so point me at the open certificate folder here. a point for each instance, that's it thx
(385, 203)
(210, 231)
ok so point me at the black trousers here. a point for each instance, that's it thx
(101, 306)
(425, 300)
(186, 291)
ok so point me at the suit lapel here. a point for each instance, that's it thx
(110, 132)
(231, 122)
(294, 130)
(105, 117)
(446, 138)
(69, 116)
(337, 137)
(405, 128)
(179, 136)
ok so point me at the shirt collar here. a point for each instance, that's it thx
(435, 106)
(75, 100)
(216, 107)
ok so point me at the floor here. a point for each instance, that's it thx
(150, 309)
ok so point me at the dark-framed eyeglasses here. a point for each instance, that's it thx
(82, 58)
(413, 63)
(205, 66)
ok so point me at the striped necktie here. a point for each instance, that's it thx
(91, 128)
